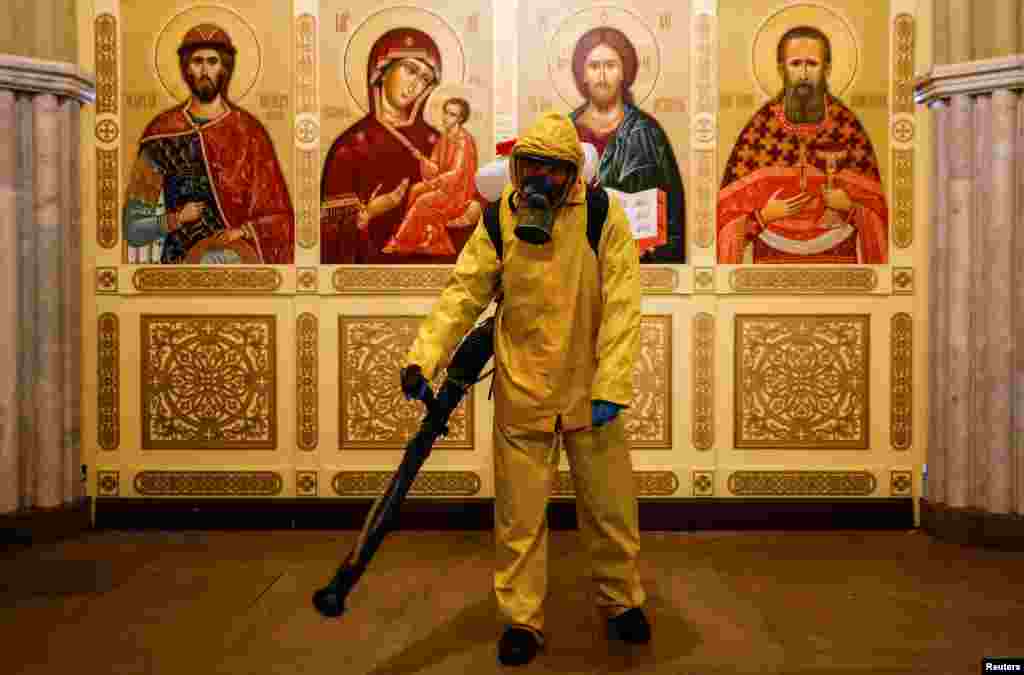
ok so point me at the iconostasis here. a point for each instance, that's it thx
(275, 194)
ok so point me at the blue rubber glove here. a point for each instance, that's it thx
(414, 385)
(603, 412)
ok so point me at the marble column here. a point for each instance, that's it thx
(975, 488)
(40, 284)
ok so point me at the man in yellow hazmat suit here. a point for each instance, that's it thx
(566, 337)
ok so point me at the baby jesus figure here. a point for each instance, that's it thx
(446, 195)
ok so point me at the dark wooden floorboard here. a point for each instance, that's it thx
(719, 602)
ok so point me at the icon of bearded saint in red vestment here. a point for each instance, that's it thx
(370, 168)
(802, 184)
(206, 183)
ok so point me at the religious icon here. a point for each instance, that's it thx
(395, 189)
(634, 152)
(206, 185)
(802, 184)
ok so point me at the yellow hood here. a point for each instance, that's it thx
(554, 136)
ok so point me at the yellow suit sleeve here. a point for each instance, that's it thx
(618, 339)
(471, 287)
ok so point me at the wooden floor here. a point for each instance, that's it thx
(187, 603)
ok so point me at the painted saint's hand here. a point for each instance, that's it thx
(838, 200)
(191, 212)
(228, 236)
(777, 209)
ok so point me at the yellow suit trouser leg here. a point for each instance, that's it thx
(607, 512)
(525, 462)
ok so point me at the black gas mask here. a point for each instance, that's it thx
(539, 195)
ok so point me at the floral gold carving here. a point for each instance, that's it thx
(106, 64)
(108, 483)
(374, 412)
(307, 280)
(306, 359)
(201, 483)
(703, 483)
(903, 198)
(209, 381)
(803, 280)
(704, 280)
(902, 381)
(108, 390)
(703, 425)
(106, 197)
(704, 198)
(305, 71)
(206, 280)
(658, 280)
(802, 483)
(306, 483)
(392, 279)
(903, 280)
(106, 280)
(307, 218)
(107, 131)
(648, 420)
(903, 64)
(651, 483)
(453, 483)
(705, 48)
(802, 381)
(901, 483)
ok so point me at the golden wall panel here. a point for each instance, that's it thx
(106, 197)
(437, 483)
(106, 56)
(373, 412)
(903, 198)
(401, 280)
(801, 381)
(209, 381)
(308, 390)
(208, 483)
(206, 280)
(648, 420)
(108, 382)
(108, 483)
(803, 280)
(901, 352)
(802, 483)
(703, 417)
(648, 483)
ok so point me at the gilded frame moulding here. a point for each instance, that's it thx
(434, 483)
(196, 280)
(306, 483)
(803, 280)
(901, 483)
(209, 483)
(703, 483)
(903, 281)
(307, 131)
(798, 483)
(307, 366)
(652, 387)
(903, 129)
(703, 365)
(647, 483)
(108, 376)
(901, 378)
(106, 55)
(108, 483)
(106, 280)
(785, 361)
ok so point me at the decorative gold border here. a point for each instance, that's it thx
(802, 483)
(306, 483)
(206, 279)
(106, 197)
(106, 280)
(704, 189)
(903, 280)
(652, 483)
(307, 280)
(108, 483)
(901, 483)
(401, 279)
(903, 197)
(703, 483)
(803, 280)
(704, 280)
(306, 332)
(233, 483)
(308, 216)
(902, 381)
(106, 55)
(448, 483)
(903, 63)
(703, 360)
(664, 440)
(305, 66)
(108, 390)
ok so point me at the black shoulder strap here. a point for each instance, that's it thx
(597, 213)
(492, 213)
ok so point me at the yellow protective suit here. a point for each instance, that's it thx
(567, 332)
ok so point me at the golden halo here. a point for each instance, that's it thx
(248, 59)
(841, 36)
(434, 108)
(573, 27)
(453, 59)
